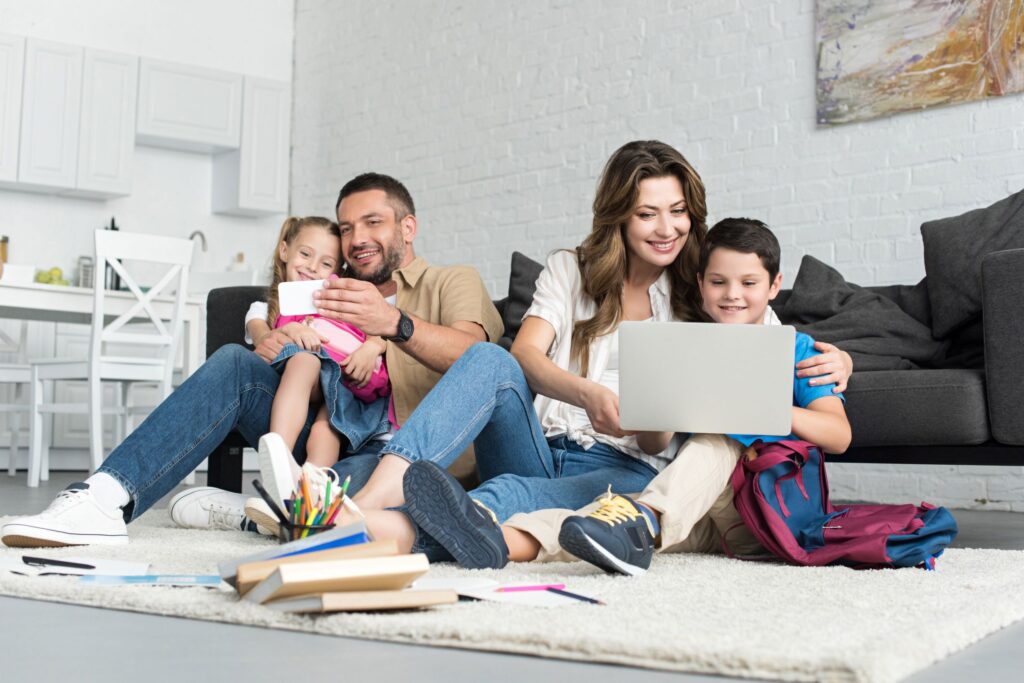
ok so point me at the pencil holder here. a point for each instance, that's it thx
(287, 532)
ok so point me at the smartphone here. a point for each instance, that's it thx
(296, 298)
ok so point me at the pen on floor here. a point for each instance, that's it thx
(50, 562)
(575, 596)
(518, 589)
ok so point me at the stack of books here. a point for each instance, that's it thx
(337, 570)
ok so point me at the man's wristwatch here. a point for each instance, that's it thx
(405, 328)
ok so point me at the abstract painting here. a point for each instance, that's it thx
(878, 57)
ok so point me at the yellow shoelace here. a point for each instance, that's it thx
(615, 509)
(488, 511)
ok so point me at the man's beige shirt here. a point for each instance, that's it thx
(440, 295)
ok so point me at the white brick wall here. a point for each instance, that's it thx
(499, 117)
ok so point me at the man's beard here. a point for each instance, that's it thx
(391, 259)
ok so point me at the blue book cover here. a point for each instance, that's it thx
(337, 537)
(207, 580)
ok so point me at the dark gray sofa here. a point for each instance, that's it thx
(966, 409)
(972, 414)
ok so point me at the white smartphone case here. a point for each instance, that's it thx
(296, 298)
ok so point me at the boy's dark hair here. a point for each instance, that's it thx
(398, 197)
(745, 235)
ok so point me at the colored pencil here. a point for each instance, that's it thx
(575, 596)
(308, 502)
(334, 509)
(519, 589)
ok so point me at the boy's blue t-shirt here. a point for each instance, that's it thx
(803, 392)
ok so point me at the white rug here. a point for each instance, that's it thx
(692, 613)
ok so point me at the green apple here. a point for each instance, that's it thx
(56, 274)
(43, 277)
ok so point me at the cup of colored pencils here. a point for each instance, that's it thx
(307, 516)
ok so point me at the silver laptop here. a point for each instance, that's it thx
(706, 378)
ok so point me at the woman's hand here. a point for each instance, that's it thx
(602, 406)
(303, 336)
(833, 365)
(360, 364)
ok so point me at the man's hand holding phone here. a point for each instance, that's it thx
(358, 303)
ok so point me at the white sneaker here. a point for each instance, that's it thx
(259, 512)
(207, 507)
(75, 517)
(279, 473)
(316, 478)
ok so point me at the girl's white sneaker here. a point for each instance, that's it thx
(279, 473)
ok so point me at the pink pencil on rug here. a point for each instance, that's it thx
(540, 587)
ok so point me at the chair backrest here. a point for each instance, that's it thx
(19, 346)
(113, 248)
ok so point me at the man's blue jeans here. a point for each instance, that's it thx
(484, 399)
(233, 389)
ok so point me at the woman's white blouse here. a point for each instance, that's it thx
(560, 301)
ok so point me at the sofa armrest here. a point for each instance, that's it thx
(1002, 278)
(225, 315)
(225, 324)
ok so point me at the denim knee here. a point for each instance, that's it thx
(492, 357)
(230, 354)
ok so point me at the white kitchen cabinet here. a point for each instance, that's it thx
(48, 153)
(253, 180)
(12, 65)
(107, 132)
(188, 107)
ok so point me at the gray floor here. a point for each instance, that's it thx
(46, 641)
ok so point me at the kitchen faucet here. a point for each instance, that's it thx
(201, 236)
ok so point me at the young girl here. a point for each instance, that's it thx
(311, 363)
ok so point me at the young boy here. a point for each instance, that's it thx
(688, 506)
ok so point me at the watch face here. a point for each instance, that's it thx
(405, 327)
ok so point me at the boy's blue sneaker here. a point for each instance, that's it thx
(442, 508)
(617, 537)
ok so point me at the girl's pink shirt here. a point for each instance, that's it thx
(378, 385)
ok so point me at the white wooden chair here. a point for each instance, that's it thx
(17, 374)
(112, 248)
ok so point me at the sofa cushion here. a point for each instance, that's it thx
(870, 326)
(917, 408)
(522, 282)
(953, 250)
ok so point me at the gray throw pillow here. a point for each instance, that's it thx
(953, 250)
(522, 282)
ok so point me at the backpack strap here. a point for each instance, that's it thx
(733, 556)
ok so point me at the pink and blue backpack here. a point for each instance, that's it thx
(782, 497)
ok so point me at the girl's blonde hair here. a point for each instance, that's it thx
(603, 257)
(290, 229)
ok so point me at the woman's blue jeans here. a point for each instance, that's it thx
(484, 399)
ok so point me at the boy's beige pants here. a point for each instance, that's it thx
(693, 496)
